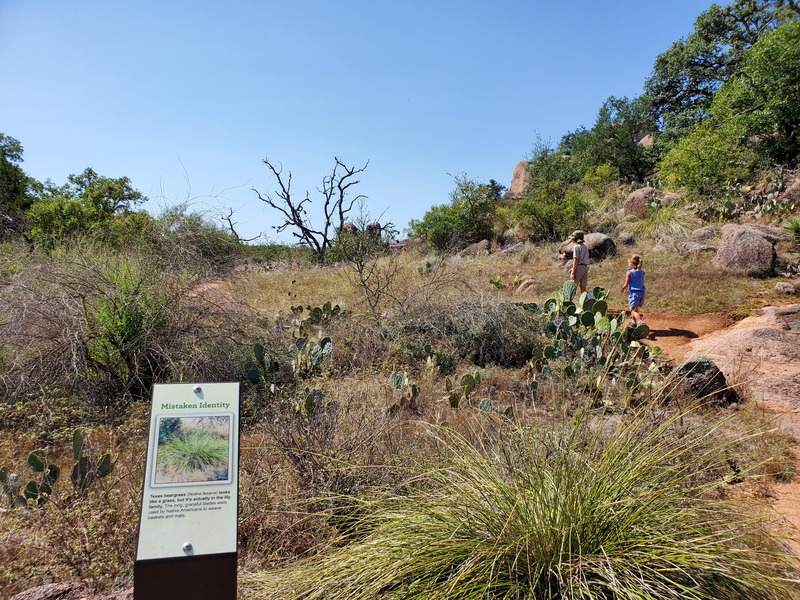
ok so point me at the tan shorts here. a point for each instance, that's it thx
(581, 275)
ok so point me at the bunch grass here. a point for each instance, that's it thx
(193, 451)
(664, 224)
(595, 509)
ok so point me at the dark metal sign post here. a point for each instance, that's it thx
(187, 527)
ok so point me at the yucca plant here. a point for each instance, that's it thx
(597, 509)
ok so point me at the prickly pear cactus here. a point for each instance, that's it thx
(568, 290)
(639, 332)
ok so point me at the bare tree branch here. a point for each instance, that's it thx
(336, 205)
(232, 228)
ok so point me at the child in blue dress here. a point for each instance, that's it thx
(634, 282)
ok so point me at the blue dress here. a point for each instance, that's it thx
(636, 288)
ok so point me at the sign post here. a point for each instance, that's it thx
(187, 527)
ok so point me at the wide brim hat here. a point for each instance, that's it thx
(577, 236)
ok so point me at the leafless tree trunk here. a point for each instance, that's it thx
(336, 206)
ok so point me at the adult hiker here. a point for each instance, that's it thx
(580, 261)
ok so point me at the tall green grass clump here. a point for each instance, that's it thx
(597, 509)
(194, 451)
(665, 223)
(793, 227)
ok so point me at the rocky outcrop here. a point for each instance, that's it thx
(772, 234)
(517, 188)
(626, 239)
(510, 249)
(700, 378)
(599, 245)
(476, 249)
(694, 248)
(703, 234)
(792, 193)
(621, 227)
(745, 250)
(762, 351)
(638, 201)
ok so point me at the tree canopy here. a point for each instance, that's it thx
(687, 76)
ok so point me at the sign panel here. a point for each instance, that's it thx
(189, 504)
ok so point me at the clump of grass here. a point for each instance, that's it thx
(662, 224)
(793, 227)
(193, 451)
(595, 509)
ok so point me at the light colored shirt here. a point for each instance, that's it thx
(581, 253)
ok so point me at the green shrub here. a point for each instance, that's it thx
(101, 327)
(551, 211)
(708, 162)
(125, 321)
(467, 219)
(194, 240)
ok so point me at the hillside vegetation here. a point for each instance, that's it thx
(419, 422)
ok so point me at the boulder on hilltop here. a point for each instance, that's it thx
(518, 180)
(747, 250)
(639, 201)
(599, 245)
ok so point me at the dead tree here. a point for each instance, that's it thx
(336, 206)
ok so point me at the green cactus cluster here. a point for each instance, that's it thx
(36, 491)
(584, 335)
(466, 385)
(405, 385)
(87, 468)
(318, 316)
(487, 406)
(439, 361)
(311, 354)
(310, 347)
(266, 366)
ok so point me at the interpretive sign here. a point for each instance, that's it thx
(187, 528)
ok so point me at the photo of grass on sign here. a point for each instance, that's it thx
(193, 449)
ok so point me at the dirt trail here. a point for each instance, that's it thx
(673, 333)
(759, 355)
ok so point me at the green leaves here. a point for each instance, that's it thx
(467, 219)
(36, 460)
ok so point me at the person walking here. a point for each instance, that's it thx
(634, 282)
(580, 261)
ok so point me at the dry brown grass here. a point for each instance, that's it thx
(70, 537)
(292, 469)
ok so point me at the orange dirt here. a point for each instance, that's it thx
(672, 333)
(679, 336)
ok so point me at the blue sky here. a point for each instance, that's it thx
(186, 98)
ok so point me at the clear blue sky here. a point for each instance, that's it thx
(187, 98)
